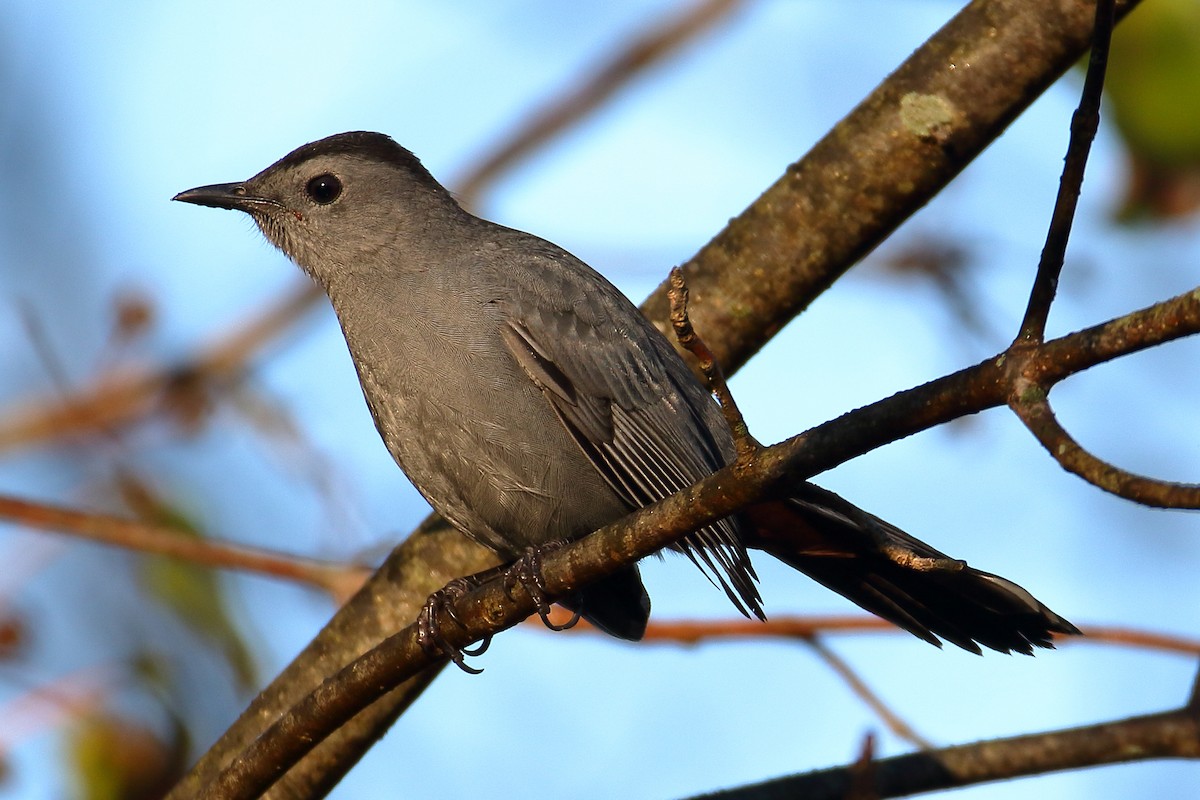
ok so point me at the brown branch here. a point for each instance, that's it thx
(1030, 400)
(890, 155)
(1031, 405)
(494, 607)
(340, 581)
(1174, 734)
(656, 45)
(687, 337)
(691, 632)
(1084, 124)
(119, 399)
(894, 722)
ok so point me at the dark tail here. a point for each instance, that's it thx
(900, 578)
(617, 604)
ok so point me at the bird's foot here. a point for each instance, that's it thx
(429, 635)
(527, 571)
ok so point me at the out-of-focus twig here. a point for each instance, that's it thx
(691, 632)
(340, 581)
(648, 49)
(117, 399)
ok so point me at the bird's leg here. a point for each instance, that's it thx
(527, 571)
(442, 601)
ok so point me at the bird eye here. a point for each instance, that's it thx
(324, 189)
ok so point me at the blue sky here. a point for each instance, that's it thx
(119, 106)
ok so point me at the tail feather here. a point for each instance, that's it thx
(900, 578)
(617, 604)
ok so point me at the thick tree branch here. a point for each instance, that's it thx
(880, 164)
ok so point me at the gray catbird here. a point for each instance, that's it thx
(531, 402)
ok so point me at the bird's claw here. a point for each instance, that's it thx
(527, 571)
(429, 635)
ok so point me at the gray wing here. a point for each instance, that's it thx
(627, 399)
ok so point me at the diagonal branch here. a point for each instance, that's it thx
(647, 50)
(338, 580)
(897, 149)
(1084, 124)
(1174, 734)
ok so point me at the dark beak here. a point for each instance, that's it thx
(224, 195)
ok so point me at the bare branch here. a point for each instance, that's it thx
(1031, 405)
(654, 46)
(494, 607)
(118, 399)
(687, 337)
(338, 580)
(1174, 734)
(1084, 124)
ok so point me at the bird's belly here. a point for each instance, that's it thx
(509, 475)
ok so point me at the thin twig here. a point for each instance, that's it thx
(691, 341)
(652, 47)
(119, 399)
(1084, 124)
(692, 632)
(852, 679)
(862, 772)
(336, 579)
(1033, 408)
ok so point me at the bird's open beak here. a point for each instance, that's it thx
(224, 195)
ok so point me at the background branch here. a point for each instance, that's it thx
(662, 41)
(339, 580)
(119, 399)
(1174, 734)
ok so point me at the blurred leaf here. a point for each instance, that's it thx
(191, 592)
(1153, 88)
(113, 759)
(14, 635)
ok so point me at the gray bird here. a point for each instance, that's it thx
(530, 402)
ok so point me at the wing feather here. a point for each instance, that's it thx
(630, 404)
